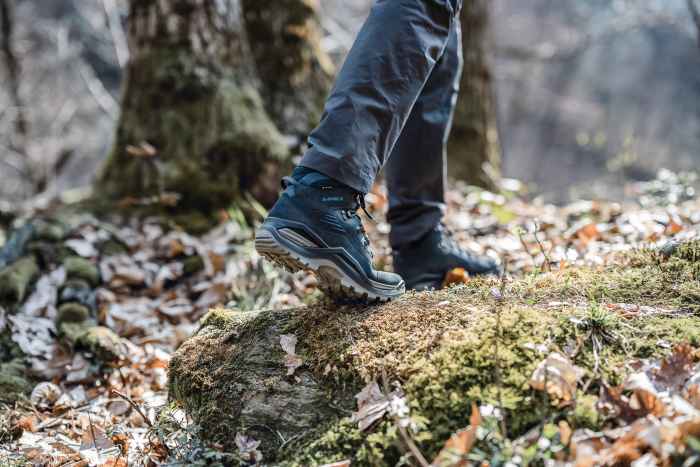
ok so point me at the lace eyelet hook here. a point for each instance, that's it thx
(363, 205)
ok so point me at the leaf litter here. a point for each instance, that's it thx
(156, 282)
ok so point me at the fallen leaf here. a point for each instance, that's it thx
(248, 448)
(82, 247)
(143, 150)
(44, 395)
(291, 360)
(558, 376)
(455, 276)
(372, 405)
(345, 463)
(454, 453)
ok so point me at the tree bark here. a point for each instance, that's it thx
(474, 151)
(12, 64)
(295, 73)
(193, 122)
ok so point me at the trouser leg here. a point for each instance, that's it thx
(416, 170)
(394, 54)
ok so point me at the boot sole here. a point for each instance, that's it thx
(286, 251)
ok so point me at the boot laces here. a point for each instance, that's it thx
(361, 204)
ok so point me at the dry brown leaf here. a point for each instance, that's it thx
(588, 232)
(676, 369)
(44, 395)
(456, 276)
(291, 360)
(144, 150)
(454, 453)
(558, 376)
(372, 405)
(565, 432)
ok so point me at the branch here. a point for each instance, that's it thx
(117, 31)
(11, 63)
(102, 97)
(695, 14)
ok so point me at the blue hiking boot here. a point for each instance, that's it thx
(315, 226)
(424, 264)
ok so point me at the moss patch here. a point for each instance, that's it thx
(14, 384)
(16, 280)
(441, 347)
(81, 268)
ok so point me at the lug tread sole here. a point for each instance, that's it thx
(329, 280)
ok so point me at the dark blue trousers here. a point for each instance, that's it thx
(392, 106)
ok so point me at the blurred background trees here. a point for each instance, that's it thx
(474, 151)
(193, 124)
(587, 95)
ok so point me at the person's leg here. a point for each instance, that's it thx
(314, 225)
(377, 87)
(416, 174)
(416, 171)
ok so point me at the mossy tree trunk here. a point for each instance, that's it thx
(295, 73)
(233, 375)
(474, 149)
(193, 121)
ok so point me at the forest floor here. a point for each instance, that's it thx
(95, 309)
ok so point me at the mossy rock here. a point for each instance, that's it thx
(72, 313)
(17, 279)
(14, 384)
(441, 346)
(49, 231)
(81, 268)
(103, 343)
(193, 264)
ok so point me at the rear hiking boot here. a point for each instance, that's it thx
(315, 226)
(425, 263)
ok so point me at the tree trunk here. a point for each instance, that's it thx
(474, 150)
(12, 66)
(296, 75)
(193, 122)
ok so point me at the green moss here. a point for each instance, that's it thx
(112, 248)
(14, 384)
(49, 231)
(105, 346)
(442, 346)
(81, 268)
(213, 137)
(193, 264)
(17, 279)
(72, 313)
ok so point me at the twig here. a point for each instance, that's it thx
(402, 430)
(92, 433)
(498, 302)
(103, 98)
(695, 14)
(547, 262)
(11, 62)
(115, 29)
(134, 405)
(525, 247)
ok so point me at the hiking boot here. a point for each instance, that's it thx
(424, 264)
(315, 226)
